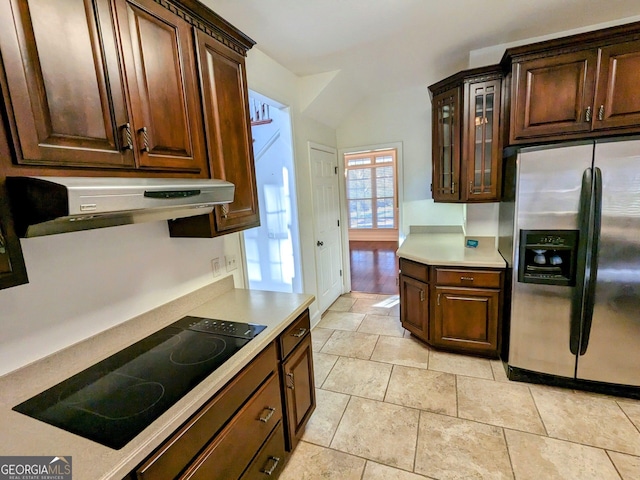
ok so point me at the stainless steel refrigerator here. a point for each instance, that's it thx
(570, 233)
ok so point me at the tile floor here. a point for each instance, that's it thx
(390, 408)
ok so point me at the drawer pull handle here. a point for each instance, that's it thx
(272, 468)
(301, 332)
(466, 279)
(290, 382)
(267, 417)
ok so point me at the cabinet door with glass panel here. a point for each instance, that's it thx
(371, 195)
(481, 140)
(446, 146)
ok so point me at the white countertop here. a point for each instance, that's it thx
(25, 436)
(449, 249)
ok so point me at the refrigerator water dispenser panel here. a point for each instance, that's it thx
(548, 257)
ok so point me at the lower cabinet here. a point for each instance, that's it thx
(455, 309)
(247, 430)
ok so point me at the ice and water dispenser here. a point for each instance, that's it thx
(548, 256)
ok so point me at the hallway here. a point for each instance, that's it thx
(374, 267)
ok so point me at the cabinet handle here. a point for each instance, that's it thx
(225, 210)
(453, 187)
(265, 418)
(301, 332)
(3, 243)
(319, 243)
(466, 279)
(290, 383)
(471, 192)
(587, 114)
(601, 113)
(422, 295)
(127, 140)
(274, 465)
(145, 139)
(438, 299)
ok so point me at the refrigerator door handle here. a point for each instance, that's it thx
(578, 297)
(590, 294)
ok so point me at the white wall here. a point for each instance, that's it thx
(82, 283)
(268, 78)
(403, 117)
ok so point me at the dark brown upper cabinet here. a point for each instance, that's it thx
(466, 140)
(575, 87)
(226, 106)
(102, 84)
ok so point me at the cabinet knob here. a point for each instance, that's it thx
(268, 470)
(266, 417)
(145, 139)
(319, 243)
(587, 114)
(601, 113)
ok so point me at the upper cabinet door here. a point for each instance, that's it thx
(553, 95)
(161, 76)
(446, 146)
(482, 140)
(617, 100)
(227, 121)
(63, 78)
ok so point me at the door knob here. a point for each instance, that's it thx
(320, 243)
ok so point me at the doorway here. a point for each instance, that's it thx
(273, 248)
(373, 218)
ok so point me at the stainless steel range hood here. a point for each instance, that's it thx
(50, 205)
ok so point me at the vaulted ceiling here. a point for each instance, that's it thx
(363, 48)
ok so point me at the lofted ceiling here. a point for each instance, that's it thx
(364, 48)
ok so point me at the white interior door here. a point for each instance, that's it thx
(326, 212)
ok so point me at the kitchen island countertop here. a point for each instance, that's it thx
(25, 436)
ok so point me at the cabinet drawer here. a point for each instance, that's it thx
(468, 278)
(183, 446)
(415, 270)
(232, 450)
(270, 460)
(294, 334)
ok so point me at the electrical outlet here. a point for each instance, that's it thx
(231, 262)
(215, 267)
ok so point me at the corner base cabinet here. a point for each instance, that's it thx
(248, 429)
(459, 310)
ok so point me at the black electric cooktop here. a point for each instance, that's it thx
(114, 400)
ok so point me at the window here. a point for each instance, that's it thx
(371, 189)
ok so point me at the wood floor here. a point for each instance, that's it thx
(374, 267)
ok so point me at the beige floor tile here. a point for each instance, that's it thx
(375, 471)
(319, 336)
(500, 404)
(460, 364)
(534, 457)
(382, 325)
(342, 304)
(455, 449)
(423, 389)
(311, 462)
(628, 466)
(341, 320)
(632, 410)
(322, 365)
(586, 419)
(401, 351)
(369, 306)
(350, 344)
(499, 374)
(324, 420)
(378, 431)
(359, 377)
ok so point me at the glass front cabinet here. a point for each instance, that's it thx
(466, 136)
